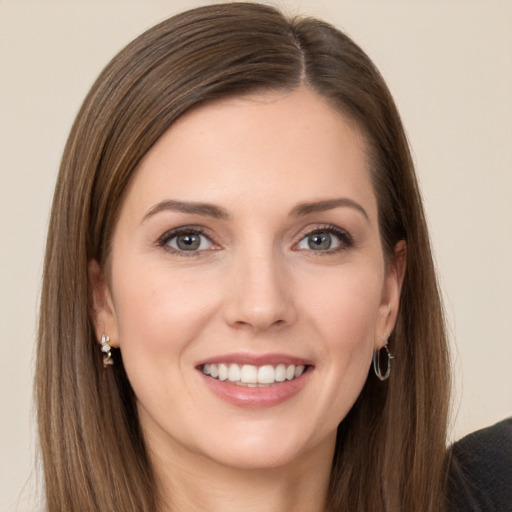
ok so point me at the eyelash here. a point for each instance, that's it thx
(164, 240)
(346, 240)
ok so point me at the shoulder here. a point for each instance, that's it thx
(480, 470)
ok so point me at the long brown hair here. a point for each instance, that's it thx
(390, 452)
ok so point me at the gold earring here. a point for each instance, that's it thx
(107, 351)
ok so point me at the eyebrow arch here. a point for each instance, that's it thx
(206, 209)
(329, 204)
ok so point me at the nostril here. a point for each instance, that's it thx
(259, 322)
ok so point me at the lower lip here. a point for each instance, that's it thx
(257, 397)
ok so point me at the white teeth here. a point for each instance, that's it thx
(248, 374)
(251, 376)
(214, 371)
(280, 373)
(223, 371)
(266, 374)
(234, 373)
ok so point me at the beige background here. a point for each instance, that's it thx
(449, 66)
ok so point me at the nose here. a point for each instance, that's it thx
(259, 293)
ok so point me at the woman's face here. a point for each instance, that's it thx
(248, 286)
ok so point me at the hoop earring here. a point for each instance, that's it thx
(107, 351)
(376, 363)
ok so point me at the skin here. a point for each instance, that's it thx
(255, 286)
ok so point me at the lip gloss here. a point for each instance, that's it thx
(256, 396)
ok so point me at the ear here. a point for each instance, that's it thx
(103, 311)
(388, 309)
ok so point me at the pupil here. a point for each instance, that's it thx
(188, 242)
(320, 241)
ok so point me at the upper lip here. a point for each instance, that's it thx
(256, 359)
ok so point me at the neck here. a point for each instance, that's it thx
(186, 485)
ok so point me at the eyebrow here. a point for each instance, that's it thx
(205, 209)
(217, 212)
(329, 204)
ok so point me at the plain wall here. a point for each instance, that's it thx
(448, 64)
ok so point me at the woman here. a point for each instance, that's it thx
(236, 233)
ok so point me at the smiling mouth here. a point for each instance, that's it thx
(249, 375)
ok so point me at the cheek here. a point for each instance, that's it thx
(345, 305)
(345, 315)
(159, 309)
(160, 313)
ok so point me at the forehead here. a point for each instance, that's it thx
(284, 146)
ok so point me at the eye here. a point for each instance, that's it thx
(188, 240)
(325, 239)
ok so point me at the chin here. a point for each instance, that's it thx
(260, 449)
(256, 459)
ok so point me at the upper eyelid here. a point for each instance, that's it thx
(192, 228)
(174, 232)
(346, 239)
(322, 227)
